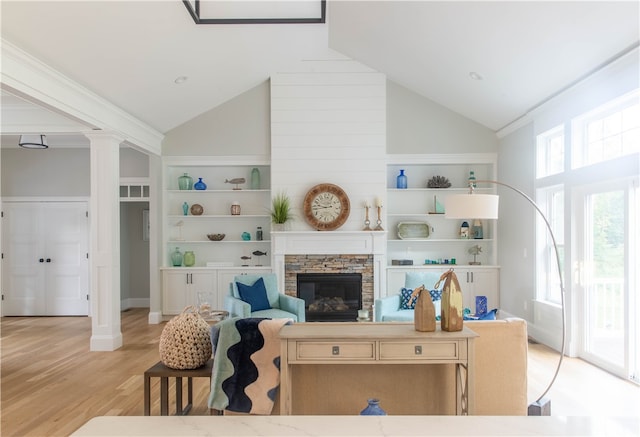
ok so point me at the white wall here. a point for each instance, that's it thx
(328, 125)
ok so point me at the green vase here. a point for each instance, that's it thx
(255, 179)
(185, 182)
(176, 257)
(189, 258)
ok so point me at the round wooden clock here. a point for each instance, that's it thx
(326, 207)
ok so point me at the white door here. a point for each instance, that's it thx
(607, 225)
(45, 265)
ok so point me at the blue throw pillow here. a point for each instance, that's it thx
(435, 294)
(405, 295)
(255, 295)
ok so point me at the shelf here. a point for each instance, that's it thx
(437, 190)
(216, 242)
(440, 240)
(220, 216)
(207, 191)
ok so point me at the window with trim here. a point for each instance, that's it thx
(608, 132)
(551, 201)
(550, 152)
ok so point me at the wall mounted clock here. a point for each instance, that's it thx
(326, 207)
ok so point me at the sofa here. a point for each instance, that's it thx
(389, 309)
(500, 380)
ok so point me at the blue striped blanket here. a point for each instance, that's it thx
(246, 364)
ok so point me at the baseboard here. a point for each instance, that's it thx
(125, 304)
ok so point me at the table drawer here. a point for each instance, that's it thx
(442, 350)
(310, 350)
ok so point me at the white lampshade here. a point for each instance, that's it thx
(471, 206)
(33, 141)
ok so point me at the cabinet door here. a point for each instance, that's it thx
(174, 292)
(202, 282)
(480, 282)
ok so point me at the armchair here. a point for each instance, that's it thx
(276, 306)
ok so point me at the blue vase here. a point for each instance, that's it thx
(373, 409)
(200, 185)
(401, 180)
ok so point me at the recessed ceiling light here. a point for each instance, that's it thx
(180, 79)
(475, 76)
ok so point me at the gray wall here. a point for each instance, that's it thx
(134, 253)
(241, 126)
(516, 240)
(415, 124)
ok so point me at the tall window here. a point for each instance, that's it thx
(551, 201)
(550, 152)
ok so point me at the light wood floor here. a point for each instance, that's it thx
(51, 383)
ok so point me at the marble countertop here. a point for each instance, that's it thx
(358, 426)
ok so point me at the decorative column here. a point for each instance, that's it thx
(104, 250)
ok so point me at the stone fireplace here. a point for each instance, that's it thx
(336, 252)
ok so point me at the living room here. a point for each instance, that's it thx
(411, 125)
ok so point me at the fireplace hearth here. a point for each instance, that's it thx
(330, 297)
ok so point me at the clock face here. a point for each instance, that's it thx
(326, 207)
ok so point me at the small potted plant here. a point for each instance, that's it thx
(280, 211)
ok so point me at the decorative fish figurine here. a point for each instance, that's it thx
(259, 253)
(235, 181)
(245, 257)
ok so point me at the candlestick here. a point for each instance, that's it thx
(379, 221)
(367, 222)
(378, 202)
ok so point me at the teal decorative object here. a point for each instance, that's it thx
(185, 182)
(255, 179)
(185, 208)
(373, 409)
(176, 258)
(246, 236)
(189, 258)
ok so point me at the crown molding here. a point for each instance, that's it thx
(28, 77)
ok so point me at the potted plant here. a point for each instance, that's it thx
(280, 211)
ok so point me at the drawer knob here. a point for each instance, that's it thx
(418, 350)
(335, 350)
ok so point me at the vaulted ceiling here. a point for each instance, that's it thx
(131, 52)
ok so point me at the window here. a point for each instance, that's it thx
(550, 152)
(608, 132)
(551, 201)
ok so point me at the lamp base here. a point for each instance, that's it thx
(540, 408)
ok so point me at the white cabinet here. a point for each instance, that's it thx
(188, 231)
(474, 281)
(180, 288)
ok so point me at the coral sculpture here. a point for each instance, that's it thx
(438, 182)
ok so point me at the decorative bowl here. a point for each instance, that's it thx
(216, 237)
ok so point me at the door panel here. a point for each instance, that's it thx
(45, 265)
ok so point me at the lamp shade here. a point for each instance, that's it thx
(33, 141)
(471, 206)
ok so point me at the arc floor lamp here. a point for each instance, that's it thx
(485, 206)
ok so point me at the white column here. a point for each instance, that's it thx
(155, 237)
(104, 251)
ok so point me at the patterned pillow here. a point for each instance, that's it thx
(405, 295)
(435, 294)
